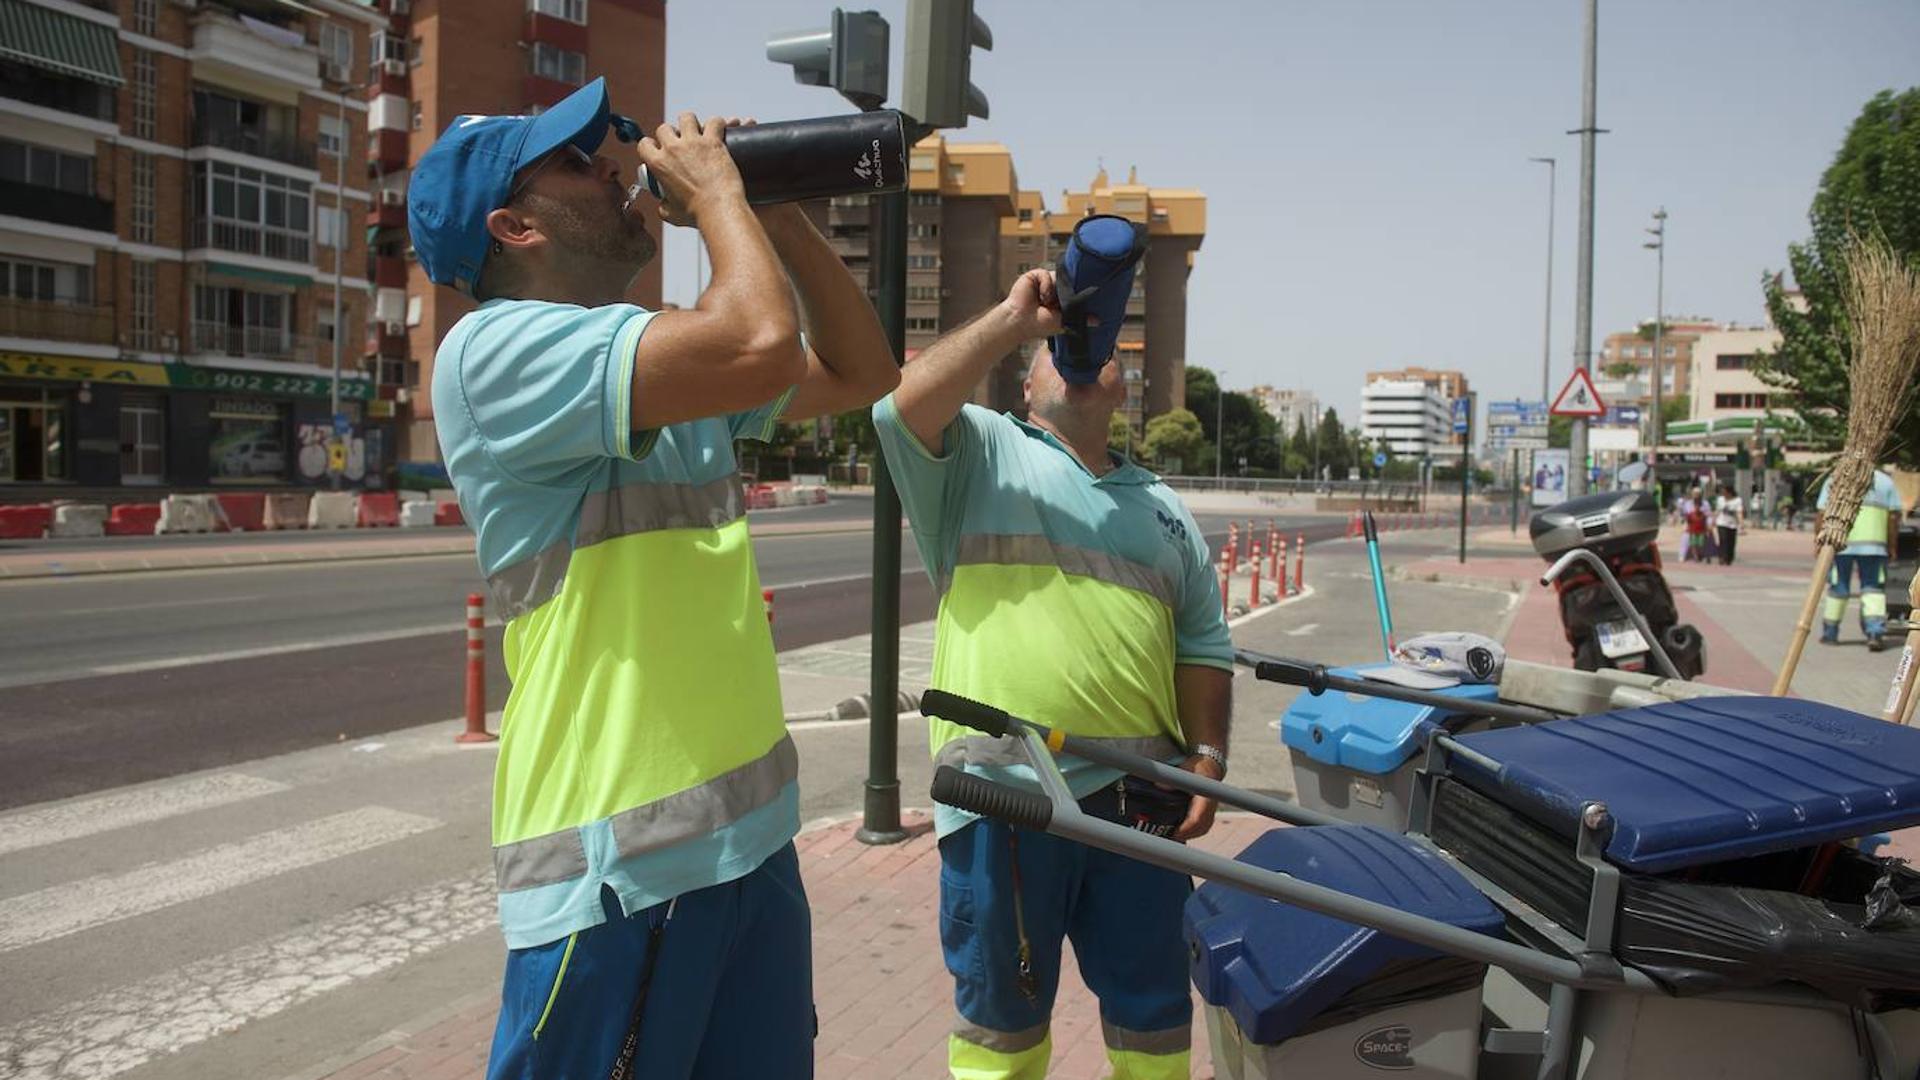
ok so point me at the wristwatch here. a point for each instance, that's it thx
(1214, 754)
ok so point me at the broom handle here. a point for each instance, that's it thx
(1822, 565)
(1897, 713)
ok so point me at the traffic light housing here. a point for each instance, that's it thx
(941, 37)
(850, 55)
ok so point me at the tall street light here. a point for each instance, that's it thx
(1583, 263)
(1659, 247)
(1546, 346)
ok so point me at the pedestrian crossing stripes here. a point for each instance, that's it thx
(50, 913)
(122, 809)
(125, 1027)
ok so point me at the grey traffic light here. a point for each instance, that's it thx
(941, 37)
(850, 56)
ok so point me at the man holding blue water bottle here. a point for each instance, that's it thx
(1075, 590)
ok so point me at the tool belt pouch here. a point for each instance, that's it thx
(1138, 804)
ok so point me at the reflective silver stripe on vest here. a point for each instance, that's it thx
(662, 823)
(1033, 550)
(1170, 1041)
(988, 750)
(606, 515)
(1000, 1042)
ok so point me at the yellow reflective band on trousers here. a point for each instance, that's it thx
(1137, 1065)
(650, 673)
(968, 1060)
(1087, 656)
(1147, 1055)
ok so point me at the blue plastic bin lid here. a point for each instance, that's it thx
(1362, 733)
(1276, 967)
(1704, 781)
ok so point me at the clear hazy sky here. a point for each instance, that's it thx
(1370, 203)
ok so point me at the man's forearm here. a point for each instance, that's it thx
(941, 379)
(841, 326)
(747, 283)
(1204, 698)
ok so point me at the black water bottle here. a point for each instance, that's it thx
(861, 154)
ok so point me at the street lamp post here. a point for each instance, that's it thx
(1219, 428)
(1583, 265)
(1546, 346)
(1659, 247)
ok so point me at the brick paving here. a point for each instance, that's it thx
(883, 993)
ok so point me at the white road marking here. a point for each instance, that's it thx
(276, 650)
(123, 1028)
(1303, 631)
(36, 917)
(121, 809)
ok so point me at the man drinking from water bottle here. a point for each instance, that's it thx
(644, 803)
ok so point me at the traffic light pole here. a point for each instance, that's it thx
(1466, 473)
(880, 813)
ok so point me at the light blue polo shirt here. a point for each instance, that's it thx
(1882, 494)
(643, 745)
(1065, 598)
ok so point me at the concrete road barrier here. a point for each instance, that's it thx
(376, 510)
(25, 522)
(244, 512)
(448, 513)
(79, 520)
(332, 510)
(417, 514)
(133, 519)
(187, 514)
(286, 511)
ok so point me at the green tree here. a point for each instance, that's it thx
(1873, 185)
(1336, 448)
(1119, 433)
(1174, 437)
(1674, 409)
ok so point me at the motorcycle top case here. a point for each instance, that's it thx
(1690, 783)
(1613, 521)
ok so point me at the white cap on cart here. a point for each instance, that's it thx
(1437, 661)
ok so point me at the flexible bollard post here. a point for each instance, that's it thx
(766, 600)
(1226, 579)
(1273, 552)
(476, 731)
(1280, 568)
(1299, 561)
(1253, 599)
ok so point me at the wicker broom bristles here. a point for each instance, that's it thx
(1882, 298)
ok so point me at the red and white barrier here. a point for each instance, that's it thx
(28, 522)
(243, 512)
(376, 510)
(133, 519)
(447, 513)
(286, 511)
(332, 510)
(78, 520)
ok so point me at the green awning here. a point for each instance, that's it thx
(276, 277)
(59, 42)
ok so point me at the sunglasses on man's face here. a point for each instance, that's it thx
(570, 157)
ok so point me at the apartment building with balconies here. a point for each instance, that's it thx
(181, 262)
(439, 59)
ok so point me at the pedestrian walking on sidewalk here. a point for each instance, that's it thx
(1875, 536)
(644, 803)
(1729, 517)
(1693, 518)
(1076, 590)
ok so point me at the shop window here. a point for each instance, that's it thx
(33, 436)
(247, 441)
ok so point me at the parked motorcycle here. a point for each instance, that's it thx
(1621, 529)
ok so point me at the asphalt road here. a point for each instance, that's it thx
(114, 679)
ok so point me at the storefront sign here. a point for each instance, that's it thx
(178, 376)
(76, 369)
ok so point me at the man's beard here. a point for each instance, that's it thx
(597, 233)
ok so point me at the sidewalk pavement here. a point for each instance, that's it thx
(880, 985)
(32, 559)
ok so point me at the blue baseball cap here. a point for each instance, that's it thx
(468, 172)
